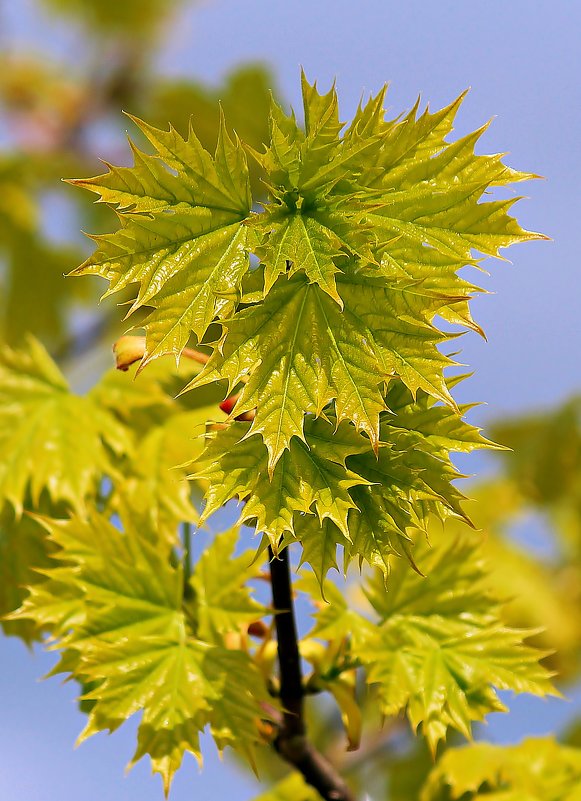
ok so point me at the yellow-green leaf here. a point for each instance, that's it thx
(116, 608)
(52, 441)
(182, 239)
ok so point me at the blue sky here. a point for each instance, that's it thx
(522, 61)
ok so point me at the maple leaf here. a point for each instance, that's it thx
(311, 477)
(431, 191)
(434, 652)
(299, 358)
(182, 237)
(319, 541)
(301, 351)
(370, 223)
(538, 769)
(406, 173)
(332, 489)
(421, 198)
(23, 549)
(305, 228)
(51, 440)
(223, 602)
(410, 479)
(426, 433)
(115, 606)
(419, 421)
(439, 654)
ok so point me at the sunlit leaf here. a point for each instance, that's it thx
(219, 582)
(311, 478)
(370, 223)
(435, 646)
(51, 440)
(442, 645)
(116, 607)
(182, 239)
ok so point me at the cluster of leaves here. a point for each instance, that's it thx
(331, 488)
(431, 652)
(330, 342)
(65, 454)
(139, 636)
(316, 317)
(541, 591)
(426, 656)
(130, 625)
(103, 569)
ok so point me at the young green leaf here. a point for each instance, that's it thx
(223, 601)
(52, 441)
(370, 224)
(370, 504)
(439, 652)
(310, 478)
(182, 237)
(116, 608)
(301, 352)
(434, 646)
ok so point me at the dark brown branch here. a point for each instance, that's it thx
(291, 741)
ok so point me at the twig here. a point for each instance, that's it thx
(291, 741)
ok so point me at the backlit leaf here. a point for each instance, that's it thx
(302, 351)
(182, 238)
(219, 582)
(311, 478)
(125, 630)
(370, 223)
(436, 646)
(442, 645)
(51, 440)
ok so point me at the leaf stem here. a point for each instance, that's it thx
(195, 355)
(291, 741)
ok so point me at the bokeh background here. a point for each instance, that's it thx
(69, 67)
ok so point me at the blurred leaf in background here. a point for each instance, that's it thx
(54, 123)
(104, 17)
